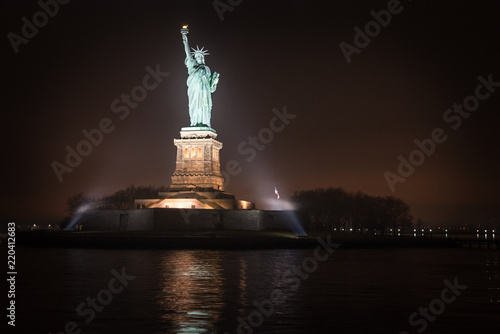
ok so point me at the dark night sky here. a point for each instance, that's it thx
(353, 120)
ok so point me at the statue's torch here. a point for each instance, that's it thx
(185, 30)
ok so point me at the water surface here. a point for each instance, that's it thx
(198, 291)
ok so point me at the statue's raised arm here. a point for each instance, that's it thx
(186, 44)
(201, 83)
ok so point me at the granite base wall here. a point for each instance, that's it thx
(116, 220)
(160, 219)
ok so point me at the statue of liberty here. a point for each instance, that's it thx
(201, 83)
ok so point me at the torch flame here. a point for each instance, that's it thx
(185, 27)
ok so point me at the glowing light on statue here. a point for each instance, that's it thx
(277, 193)
(201, 83)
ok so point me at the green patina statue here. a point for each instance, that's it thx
(201, 83)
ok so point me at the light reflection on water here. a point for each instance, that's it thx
(198, 291)
(197, 285)
(192, 290)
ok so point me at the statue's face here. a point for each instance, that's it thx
(199, 58)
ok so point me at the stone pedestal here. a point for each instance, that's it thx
(198, 163)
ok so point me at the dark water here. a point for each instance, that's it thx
(195, 291)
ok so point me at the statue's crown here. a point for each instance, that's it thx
(200, 51)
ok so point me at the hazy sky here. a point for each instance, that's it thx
(353, 120)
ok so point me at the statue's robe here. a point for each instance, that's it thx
(199, 92)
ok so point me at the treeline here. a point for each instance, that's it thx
(332, 209)
(120, 200)
(335, 209)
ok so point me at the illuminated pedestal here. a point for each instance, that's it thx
(197, 182)
(197, 164)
